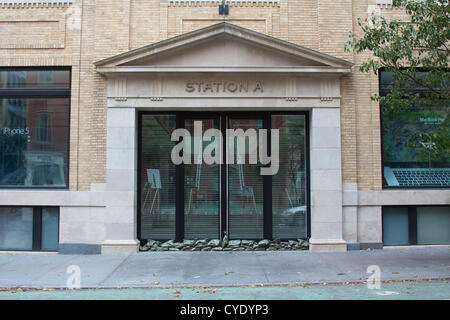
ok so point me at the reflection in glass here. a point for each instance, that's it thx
(289, 184)
(416, 141)
(34, 139)
(416, 147)
(16, 228)
(201, 185)
(245, 188)
(158, 177)
(34, 79)
(243, 185)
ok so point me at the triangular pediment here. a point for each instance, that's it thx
(222, 47)
(223, 51)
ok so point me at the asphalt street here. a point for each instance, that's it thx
(398, 290)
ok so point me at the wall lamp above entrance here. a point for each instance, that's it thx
(223, 8)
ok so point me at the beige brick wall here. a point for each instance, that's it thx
(187, 16)
(365, 116)
(88, 30)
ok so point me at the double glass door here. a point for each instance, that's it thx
(218, 188)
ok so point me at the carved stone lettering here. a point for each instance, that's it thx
(258, 86)
(232, 86)
(190, 87)
(227, 86)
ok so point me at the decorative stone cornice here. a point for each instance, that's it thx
(231, 3)
(385, 4)
(30, 4)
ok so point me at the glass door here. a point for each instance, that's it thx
(201, 182)
(204, 199)
(157, 176)
(245, 185)
(289, 186)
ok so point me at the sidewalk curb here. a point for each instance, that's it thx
(281, 284)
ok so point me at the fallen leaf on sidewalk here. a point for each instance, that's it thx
(207, 290)
(386, 293)
(16, 290)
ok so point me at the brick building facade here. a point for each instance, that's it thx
(128, 58)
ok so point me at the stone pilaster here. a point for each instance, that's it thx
(120, 216)
(326, 181)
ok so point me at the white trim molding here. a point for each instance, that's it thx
(35, 3)
(232, 3)
(384, 4)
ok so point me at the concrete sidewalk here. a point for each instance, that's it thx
(178, 269)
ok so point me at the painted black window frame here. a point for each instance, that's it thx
(383, 92)
(412, 223)
(50, 93)
(37, 228)
(224, 116)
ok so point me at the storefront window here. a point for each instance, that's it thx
(199, 199)
(34, 136)
(16, 228)
(50, 229)
(158, 174)
(29, 228)
(416, 225)
(289, 210)
(395, 226)
(245, 188)
(201, 189)
(416, 143)
(433, 225)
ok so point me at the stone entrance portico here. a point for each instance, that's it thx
(223, 68)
